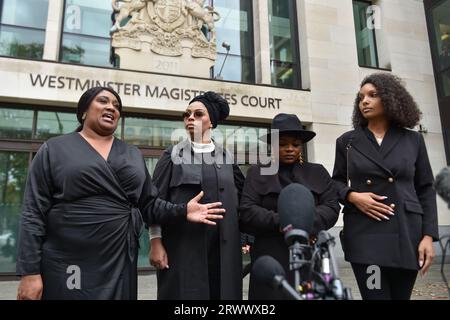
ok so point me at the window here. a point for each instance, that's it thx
(16, 123)
(86, 38)
(22, 28)
(157, 133)
(13, 174)
(150, 132)
(52, 124)
(438, 22)
(235, 27)
(441, 26)
(365, 35)
(243, 140)
(284, 56)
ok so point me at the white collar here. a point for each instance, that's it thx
(203, 147)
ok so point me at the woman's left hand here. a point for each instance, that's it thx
(158, 255)
(204, 213)
(426, 254)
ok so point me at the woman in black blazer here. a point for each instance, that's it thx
(258, 210)
(384, 180)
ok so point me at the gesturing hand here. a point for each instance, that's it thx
(369, 204)
(204, 213)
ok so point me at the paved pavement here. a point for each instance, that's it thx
(430, 287)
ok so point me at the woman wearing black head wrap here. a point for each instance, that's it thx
(86, 198)
(205, 261)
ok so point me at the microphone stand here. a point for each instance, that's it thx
(301, 253)
(298, 250)
(281, 283)
(444, 254)
(227, 47)
(329, 267)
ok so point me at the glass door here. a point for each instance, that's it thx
(440, 29)
(438, 21)
(13, 174)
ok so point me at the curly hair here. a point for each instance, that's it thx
(399, 106)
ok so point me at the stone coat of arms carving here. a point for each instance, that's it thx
(167, 14)
(165, 27)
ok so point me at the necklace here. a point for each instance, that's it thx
(379, 138)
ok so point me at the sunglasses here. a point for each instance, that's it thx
(197, 114)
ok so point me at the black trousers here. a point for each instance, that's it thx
(394, 283)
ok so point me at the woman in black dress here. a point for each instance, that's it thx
(259, 215)
(205, 261)
(86, 199)
(385, 183)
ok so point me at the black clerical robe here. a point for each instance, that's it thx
(196, 250)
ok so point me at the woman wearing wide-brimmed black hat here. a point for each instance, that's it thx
(260, 196)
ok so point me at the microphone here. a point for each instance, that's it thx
(267, 270)
(442, 184)
(296, 208)
(226, 45)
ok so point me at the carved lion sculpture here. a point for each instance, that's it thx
(205, 15)
(128, 8)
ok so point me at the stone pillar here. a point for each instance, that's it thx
(262, 41)
(303, 43)
(53, 29)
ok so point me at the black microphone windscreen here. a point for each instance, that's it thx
(442, 184)
(265, 268)
(296, 208)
